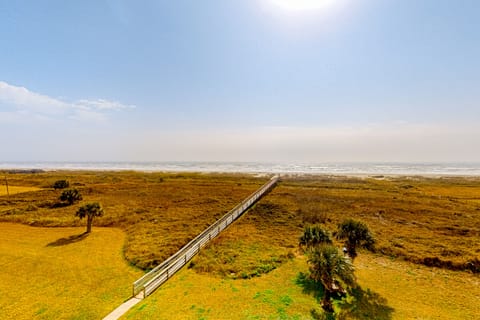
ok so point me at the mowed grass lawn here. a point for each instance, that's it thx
(388, 290)
(418, 292)
(190, 295)
(55, 273)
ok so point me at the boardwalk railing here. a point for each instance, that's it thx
(161, 273)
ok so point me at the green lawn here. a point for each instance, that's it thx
(190, 295)
(55, 273)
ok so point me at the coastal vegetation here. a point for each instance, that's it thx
(160, 212)
(61, 184)
(313, 236)
(70, 196)
(427, 226)
(356, 235)
(423, 220)
(387, 289)
(332, 269)
(90, 211)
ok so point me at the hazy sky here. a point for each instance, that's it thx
(240, 80)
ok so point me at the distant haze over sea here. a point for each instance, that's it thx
(460, 169)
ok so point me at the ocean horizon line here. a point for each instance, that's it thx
(312, 168)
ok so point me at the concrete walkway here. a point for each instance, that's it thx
(122, 309)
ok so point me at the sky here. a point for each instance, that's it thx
(240, 80)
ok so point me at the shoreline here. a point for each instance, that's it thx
(287, 169)
(288, 175)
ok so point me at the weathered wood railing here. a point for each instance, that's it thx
(161, 273)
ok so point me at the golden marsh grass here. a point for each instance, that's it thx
(421, 220)
(16, 189)
(159, 212)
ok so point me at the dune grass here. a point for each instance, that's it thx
(423, 220)
(427, 221)
(433, 222)
(59, 273)
(160, 212)
(16, 189)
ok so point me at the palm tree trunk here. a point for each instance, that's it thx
(327, 301)
(352, 251)
(89, 223)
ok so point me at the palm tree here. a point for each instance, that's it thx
(70, 196)
(332, 269)
(314, 235)
(90, 210)
(356, 234)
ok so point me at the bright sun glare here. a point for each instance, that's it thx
(300, 5)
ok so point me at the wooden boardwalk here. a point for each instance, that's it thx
(160, 274)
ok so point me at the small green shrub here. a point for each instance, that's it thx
(61, 184)
(70, 196)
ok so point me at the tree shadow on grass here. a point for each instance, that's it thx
(358, 304)
(364, 304)
(309, 286)
(69, 240)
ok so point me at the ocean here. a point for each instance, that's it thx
(435, 169)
